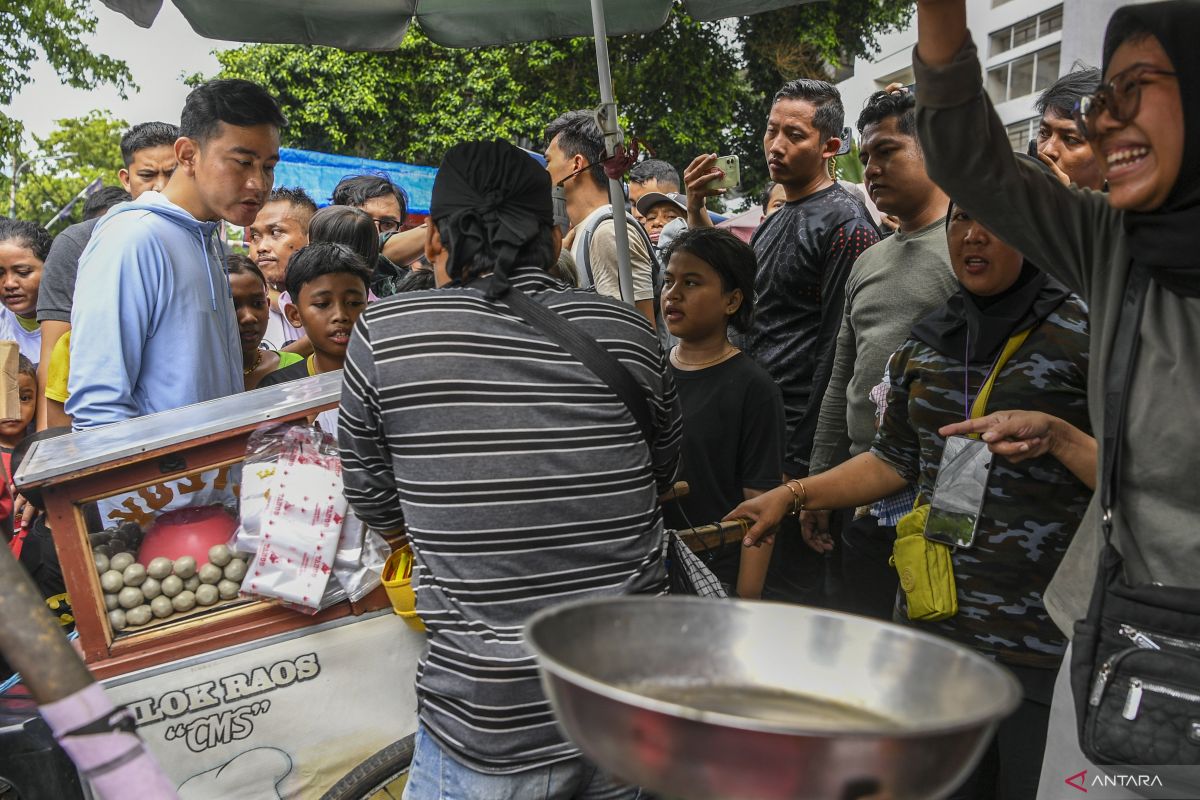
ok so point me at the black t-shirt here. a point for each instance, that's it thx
(733, 433)
(805, 251)
(292, 372)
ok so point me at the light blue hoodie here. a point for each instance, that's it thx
(152, 326)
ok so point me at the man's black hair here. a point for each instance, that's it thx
(1066, 91)
(354, 190)
(882, 105)
(241, 264)
(826, 99)
(346, 225)
(324, 258)
(147, 134)
(730, 257)
(655, 169)
(100, 201)
(231, 100)
(28, 234)
(296, 197)
(579, 135)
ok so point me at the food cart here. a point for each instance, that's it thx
(237, 697)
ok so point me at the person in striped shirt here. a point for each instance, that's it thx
(520, 477)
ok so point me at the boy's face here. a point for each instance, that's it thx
(275, 235)
(27, 389)
(150, 169)
(657, 217)
(234, 170)
(1141, 158)
(327, 309)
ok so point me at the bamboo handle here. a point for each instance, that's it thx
(706, 537)
(680, 489)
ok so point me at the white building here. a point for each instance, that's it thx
(1025, 45)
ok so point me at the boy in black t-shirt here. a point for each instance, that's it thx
(328, 286)
(733, 424)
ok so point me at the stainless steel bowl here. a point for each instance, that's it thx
(733, 700)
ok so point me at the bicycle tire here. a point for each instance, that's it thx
(376, 772)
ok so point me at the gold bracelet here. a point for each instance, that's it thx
(795, 499)
(803, 490)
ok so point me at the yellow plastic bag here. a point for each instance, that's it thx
(925, 568)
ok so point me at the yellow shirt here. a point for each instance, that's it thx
(59, 370)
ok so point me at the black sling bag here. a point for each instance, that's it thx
(1135, 663)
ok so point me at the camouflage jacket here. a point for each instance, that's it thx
(1031, 509)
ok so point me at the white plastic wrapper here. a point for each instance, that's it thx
(302, 524)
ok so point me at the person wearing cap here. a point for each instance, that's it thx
(658, 208)
(519, 477)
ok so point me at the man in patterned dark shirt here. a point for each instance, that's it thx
(805, 251)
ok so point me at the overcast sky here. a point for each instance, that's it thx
(158, 57)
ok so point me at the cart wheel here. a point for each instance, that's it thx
(380, 777)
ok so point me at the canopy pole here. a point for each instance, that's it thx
(612, 138)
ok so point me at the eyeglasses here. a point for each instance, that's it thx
(1121, 97)
(387, 224)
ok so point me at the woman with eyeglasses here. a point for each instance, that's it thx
(1144, 126)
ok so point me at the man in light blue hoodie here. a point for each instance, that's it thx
(153, 325)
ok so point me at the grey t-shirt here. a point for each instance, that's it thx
(892, 285)
(58, 273)
(1076, 236)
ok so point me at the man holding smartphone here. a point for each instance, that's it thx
(805, 252)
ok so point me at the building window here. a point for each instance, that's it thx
(1019, 133)
(1025, 31)
(1025, 75)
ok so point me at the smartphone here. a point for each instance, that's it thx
(959, 492)
(1032, 149)
(733, 173)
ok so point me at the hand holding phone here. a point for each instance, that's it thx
(733, 173)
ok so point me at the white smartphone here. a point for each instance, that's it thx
(959, 492)
(733, 173)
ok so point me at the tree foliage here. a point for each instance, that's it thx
(83, 148)
(55, 29)
(677, 89)
(685, 89)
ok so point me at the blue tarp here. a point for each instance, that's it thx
(319, 173)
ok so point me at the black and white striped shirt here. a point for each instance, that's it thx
(522, 480)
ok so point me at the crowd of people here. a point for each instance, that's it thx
(807, 381)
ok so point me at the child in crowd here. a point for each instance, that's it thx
(12, 433)
(23, 248)
(353, 226)
(657, 209)
(328, 282)
(280, 229)
(733, 426)
(252, 304)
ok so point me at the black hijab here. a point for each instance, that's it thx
(1164, 241)
(493, 198)
(974, 328)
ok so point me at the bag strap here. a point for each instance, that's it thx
(979, 407)
(1117, 380)
(603, 364)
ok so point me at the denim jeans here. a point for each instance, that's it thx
(436, 775)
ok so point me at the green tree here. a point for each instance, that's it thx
(55, 29)
(83, 149)
(677, 89)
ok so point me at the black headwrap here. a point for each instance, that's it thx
(1164, 241)
(974, 328)
(493, 198)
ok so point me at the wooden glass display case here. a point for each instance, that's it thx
(125, 478)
